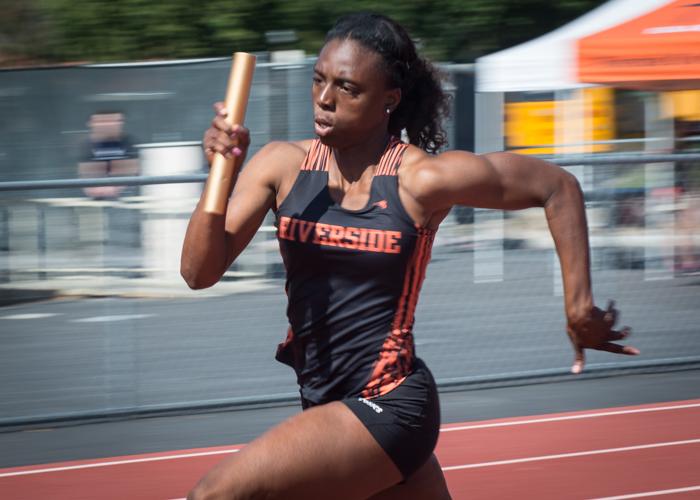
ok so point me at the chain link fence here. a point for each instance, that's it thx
(129, 338)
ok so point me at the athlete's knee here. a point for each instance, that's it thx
(427, 482)
(203, 493)
(208, 490)
(435, 477)
(199, 492)
(231, 487)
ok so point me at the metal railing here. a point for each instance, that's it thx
(528, 281)
(569, 160)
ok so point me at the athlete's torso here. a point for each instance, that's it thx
(353, 278)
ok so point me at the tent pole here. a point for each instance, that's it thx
(489, 114)
(659, 197)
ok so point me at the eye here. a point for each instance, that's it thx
(348, 89)
(316, 80)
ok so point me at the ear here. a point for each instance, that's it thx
(392, 99)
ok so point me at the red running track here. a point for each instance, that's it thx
(615, 453)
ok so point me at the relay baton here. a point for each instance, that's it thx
(223, 170)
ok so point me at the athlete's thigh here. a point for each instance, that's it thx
(324, 452)
(427, 483)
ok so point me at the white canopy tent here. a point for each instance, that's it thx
(548, 63)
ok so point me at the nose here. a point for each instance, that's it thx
(325, 98)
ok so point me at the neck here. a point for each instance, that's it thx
(353, 161)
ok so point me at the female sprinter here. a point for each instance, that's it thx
(356, 212)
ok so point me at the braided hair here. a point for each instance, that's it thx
(423, 103)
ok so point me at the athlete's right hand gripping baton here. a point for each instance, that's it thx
(223, 170)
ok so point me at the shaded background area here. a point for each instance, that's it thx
(57, 31)
(45, 112)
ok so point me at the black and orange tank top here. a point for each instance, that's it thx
(353, 278)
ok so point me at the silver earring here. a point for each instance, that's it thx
(388, 111)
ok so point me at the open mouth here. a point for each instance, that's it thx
(322, 127)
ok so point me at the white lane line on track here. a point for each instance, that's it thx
(479, 426)
(115, 317)
(570, 417)
(450, 468)
(620, 497)
(117, 462)
(642, 494)
(570, 455)
(29, 316)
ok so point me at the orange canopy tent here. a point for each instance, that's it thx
(659, 50)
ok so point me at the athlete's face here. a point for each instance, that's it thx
(350, 94)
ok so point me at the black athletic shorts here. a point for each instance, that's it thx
(406, 421)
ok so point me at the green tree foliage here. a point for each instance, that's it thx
(25, 33)
(116, 30)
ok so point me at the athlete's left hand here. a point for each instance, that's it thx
(596, 332)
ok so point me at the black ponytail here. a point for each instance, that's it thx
(423, 103)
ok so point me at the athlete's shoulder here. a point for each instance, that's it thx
(413, 158)
(305, 144)
(277, 163)
(426, 175)
(285, 150)
(278, 157)
(418, 170)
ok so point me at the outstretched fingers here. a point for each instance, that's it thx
(621, 334)
(619, 349)
(596, 332)
(616, 348)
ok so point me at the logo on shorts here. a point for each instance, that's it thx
(374, 406)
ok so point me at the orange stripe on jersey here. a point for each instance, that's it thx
(391, 159)
(317, 157)
(311, 156)
(381, 166)
(324, 158)
(409, 281)
(404, 322)
(394, 361)
(394, 159)
(426, 238)
(392, 366)
(384, 166)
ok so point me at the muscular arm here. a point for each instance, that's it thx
(508, 181)
(525, 182)
(213, 242)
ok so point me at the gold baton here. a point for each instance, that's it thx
(223, 170)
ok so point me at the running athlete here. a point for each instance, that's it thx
(356, 212)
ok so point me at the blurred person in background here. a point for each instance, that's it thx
(108, 152)
(688, 201)
(688, 229)
(357, 210)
